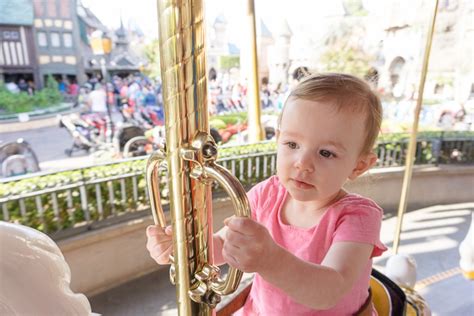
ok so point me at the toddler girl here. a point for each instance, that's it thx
(309, 241)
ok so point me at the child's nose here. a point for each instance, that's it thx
(304, 163)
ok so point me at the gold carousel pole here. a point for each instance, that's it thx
(189, 157)
(256, 133)
(410, 157)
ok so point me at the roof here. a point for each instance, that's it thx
(233, 49)
(18, 12)
(89, 18)
(220, 19)
(284, 29)
(121, 32)
(263, 31)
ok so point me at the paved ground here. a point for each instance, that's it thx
(49, 142)
(431, 235)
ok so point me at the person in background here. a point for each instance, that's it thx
(98, 99)
(73, 88)
(12, 87)
(110, 95)
(62, 86)
(31, 87)
(23, 86)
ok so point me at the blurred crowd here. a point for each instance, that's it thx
(129, 93)
(22, 86)
(231, 96)
(137, 93)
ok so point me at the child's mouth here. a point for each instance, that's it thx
(302, 185)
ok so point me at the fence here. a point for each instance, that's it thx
(70, 202)
(444, 149)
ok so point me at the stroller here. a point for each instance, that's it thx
(17, 158)
(89, 133)
(85, 135)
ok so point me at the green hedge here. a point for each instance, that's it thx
(69, 216)
(22, 102)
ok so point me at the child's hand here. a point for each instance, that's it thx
(248, 246)
(159, 243)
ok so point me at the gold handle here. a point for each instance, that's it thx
(203, 148)
(241, 208)
(209, 282)
(156, 164)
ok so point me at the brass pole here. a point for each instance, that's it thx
(189, 158)
(256, 133)
(183, 70)
(412, 144)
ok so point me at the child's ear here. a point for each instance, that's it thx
(364, 163)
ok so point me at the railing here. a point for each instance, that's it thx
(444, 149)
(66, 203)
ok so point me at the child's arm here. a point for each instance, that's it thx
(248, 246)
(320, 286)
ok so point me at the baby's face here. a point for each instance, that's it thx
(318, 148)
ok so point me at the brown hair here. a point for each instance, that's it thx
(348, 93)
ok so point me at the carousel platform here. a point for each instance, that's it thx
(431, 235)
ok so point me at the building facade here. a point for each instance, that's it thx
(39, 38)
(17, 49)
(57, 40)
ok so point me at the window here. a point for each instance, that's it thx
(11, 35)
(55, 41)
(67, 39)
(42, 40)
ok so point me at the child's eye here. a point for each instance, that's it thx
(326, 153)
(292, 145)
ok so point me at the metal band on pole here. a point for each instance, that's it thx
(410, 157)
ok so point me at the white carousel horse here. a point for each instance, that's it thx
(466, 252)
(401, 269)
(34, 277)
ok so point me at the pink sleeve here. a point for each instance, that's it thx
(361, 223)
(252, 195)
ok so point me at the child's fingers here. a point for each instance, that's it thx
(154, 244)
(226, 221)
(158, 231)
(242, 225)
(154, 230)
(162, 257)
(230, 259)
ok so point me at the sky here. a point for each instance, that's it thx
(144, 12)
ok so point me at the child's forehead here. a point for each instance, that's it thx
(307, 115)
(302, 107)
(327, 105)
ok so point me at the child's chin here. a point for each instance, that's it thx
(303, 196)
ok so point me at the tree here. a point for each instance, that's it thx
(152, 53)
(346, 59)
(344, 52)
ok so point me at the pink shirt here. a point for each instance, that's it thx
(352, 218)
